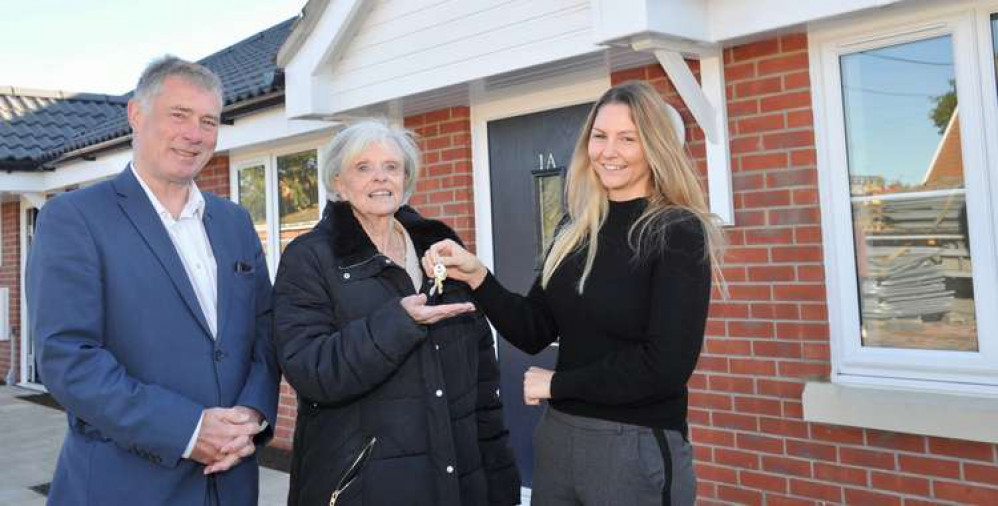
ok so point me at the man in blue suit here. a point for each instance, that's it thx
(150, 307)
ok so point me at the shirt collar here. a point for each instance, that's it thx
(193, 208)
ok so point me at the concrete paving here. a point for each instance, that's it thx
(30, 438)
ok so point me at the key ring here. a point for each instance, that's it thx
(439, 275)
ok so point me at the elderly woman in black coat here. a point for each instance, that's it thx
(397, 398)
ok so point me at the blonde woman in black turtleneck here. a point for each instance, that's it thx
(625, 289)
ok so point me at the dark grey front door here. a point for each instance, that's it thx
(528, 156)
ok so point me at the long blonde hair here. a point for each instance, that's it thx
(675, 188)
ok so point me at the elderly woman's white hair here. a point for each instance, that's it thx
(350, 142)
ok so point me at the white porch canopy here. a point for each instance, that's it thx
(356, 57)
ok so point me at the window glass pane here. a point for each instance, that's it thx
(298, 194)
(908, 198)
(253, 196)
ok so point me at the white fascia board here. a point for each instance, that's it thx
(614, 20)
(713, 21)
(686, 19)
(75, 172)
(81, 171)
(734, 19)
(269, 126)
(22, 182)
(617, 19)
(300, 31)
(304, 74)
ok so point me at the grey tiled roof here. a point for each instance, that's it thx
(37, 127)
(33, 123)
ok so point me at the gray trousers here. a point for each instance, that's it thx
(583, 461)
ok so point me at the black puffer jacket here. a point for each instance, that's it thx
(363, 367)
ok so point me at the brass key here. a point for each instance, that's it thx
(439, 275)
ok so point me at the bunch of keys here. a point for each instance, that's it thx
(439, 275)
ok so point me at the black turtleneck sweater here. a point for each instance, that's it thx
(630, 342)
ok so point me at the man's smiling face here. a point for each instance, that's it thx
(176, 132)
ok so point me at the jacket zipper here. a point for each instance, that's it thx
(351, 473)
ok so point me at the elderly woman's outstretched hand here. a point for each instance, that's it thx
(461, 265)
(416, 306)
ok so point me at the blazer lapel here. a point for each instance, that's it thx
(219, 237)
(136, 205)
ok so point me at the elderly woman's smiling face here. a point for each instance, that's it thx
(373, 182)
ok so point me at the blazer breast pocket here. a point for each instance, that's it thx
(243, 269)
(244, 284)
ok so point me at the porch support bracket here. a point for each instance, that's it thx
(707, 102)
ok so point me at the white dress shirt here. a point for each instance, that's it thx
(190, 240)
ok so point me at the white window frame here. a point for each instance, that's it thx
(270, 191)
(968, 24)
(268, 158)
(29, 201)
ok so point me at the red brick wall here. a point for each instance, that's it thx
(287, 409)
(771, 335)
(10, 277)
(444, 190)
(214, 177)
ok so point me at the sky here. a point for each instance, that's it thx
(889, 96)
(101, 46)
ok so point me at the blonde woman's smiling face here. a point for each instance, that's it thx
(616, 154)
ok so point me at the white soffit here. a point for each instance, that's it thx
(713, 21)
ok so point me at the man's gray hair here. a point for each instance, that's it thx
(350, 142)
(161, 68)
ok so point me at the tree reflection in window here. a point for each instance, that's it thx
(298, 194)
(253, 196)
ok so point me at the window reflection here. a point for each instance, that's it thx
(298, 194)
(908, 198)
(253, 196)
(550, 191)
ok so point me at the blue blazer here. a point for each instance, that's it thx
(123, 345)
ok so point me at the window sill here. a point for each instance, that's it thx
(956, 416)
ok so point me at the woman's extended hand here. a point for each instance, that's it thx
(416, 306)
(461, 265)
(536, 385)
